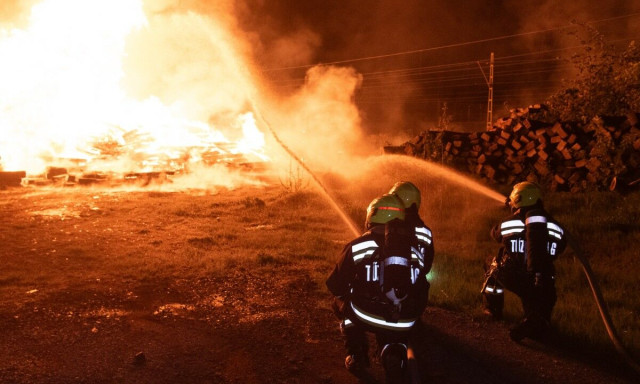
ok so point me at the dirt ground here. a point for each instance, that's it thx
(74, 308)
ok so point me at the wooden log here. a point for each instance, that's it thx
(393, 149)
(516, 144)
(489, 171)
(557, 129)
(530, 145)
(517, 168)
(558, 179)
(561, 145)
(593, 164)
(543, 155)
(12, 178)
(541, 168)
(409, 150)
(417, 140)
(580, 163)
(574, 178)
(55, 171)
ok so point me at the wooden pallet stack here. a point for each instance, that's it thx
(601, 154)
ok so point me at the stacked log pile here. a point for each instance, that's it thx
(569, 156)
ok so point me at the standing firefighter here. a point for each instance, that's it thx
(531, 240)
(379, 284)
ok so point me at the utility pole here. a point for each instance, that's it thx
(490, 85)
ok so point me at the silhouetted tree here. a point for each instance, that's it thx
(607, 81)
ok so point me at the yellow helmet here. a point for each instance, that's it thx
(407, 192)
(384, 209)
(525, 194)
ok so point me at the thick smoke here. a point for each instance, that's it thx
(348, 30)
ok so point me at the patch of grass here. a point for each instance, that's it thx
(251, 202)
(264, 259)
(202, 242)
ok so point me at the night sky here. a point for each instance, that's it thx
(407, 87)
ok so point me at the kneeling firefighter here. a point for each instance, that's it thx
(380, 286)
(531, 240)
(410, 196)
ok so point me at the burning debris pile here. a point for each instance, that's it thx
(81, 104)
(568, 156)
(103, 164)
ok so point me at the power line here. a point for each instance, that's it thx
(462, 44)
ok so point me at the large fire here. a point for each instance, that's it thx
(64, 98)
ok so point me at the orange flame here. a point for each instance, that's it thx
(62, 97)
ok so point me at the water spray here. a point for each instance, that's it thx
(354, 229)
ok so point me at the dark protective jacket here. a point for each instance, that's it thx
(425, 240)
(356, 279)
(531, 240)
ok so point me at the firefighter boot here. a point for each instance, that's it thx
(394, 362)
(357, 359)
(532, 326)
(493, 299)
(356, 363)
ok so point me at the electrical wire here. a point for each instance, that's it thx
(454, 45)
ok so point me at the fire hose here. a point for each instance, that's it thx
(602, 308)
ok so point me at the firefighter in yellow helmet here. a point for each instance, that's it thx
(379, 286)
(410, 196)
(531, 240)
